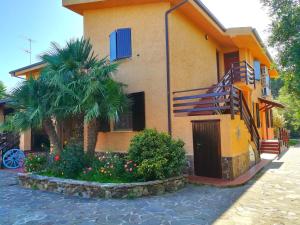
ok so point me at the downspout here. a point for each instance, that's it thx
(175, 7)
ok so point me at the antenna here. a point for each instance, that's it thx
(29, 51)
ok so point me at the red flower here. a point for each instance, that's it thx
(56, 158)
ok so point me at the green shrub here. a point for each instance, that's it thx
(293, 142)
(157, 155)
(35, 163)
(69, 164)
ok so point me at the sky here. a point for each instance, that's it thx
(45, 21)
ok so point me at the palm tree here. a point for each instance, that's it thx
(83, 86)
(31, 101)
(103, 98)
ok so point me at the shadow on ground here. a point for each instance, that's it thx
(192, 205)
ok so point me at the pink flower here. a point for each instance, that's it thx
(130, 169)
(56, 158)
(90, 169)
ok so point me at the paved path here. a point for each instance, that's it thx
(271, 198)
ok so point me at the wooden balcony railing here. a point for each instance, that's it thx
(243, 72)
(219, 99)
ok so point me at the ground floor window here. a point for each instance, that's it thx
(132, 119)
(123, 122)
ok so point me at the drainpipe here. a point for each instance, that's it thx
(175, 7)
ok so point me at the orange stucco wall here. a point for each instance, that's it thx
(235, 138)
(145, 71)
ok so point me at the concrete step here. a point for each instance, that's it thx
(269, 148)
(270, 152)
(269, 145)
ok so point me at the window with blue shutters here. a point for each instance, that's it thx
(120, 44)
(257, 71)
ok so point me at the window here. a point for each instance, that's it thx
(120, 44)
(124, 122)
(131, 120)
(257, 71)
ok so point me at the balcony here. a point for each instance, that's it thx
(243, 72)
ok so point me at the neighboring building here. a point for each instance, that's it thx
(187, 75)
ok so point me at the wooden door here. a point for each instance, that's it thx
(229, 59)
(207, 148)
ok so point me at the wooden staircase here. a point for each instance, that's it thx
(221, 98)
(271, 147)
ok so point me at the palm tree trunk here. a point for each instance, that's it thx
(92, 133)
(52, 134)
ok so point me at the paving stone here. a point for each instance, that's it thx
(273, 197)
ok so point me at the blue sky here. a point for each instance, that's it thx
(43, 21)
(46, 20)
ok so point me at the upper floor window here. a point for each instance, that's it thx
(257, 70)
(120, 44)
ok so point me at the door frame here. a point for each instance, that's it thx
(219, 147)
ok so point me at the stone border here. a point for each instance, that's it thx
(100, 190)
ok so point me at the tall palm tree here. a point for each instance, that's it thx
(31, 101)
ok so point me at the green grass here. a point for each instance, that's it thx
(293, 142)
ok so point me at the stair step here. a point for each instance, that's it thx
(270, 146)
(274, 147)
(275, 153)
(268, 150)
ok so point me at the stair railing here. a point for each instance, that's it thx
(246, 115)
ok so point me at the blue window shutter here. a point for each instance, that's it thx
(268, 81)
(124, 49)
(113, 46)
(257, 70)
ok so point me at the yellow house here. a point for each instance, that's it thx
(188, 75)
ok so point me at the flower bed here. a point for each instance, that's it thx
(101, 190)
(149, 168)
